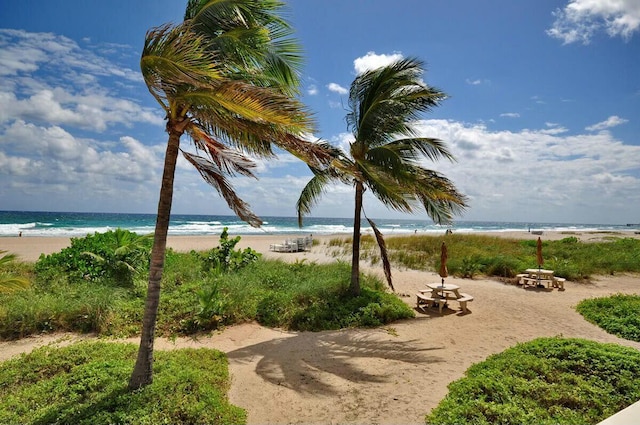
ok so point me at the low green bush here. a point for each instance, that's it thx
(617, 314)
(114, 256)
(224, 258)
(548, 381)
(86, 383)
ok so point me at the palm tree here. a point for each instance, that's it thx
(386, 152)
(225, 76)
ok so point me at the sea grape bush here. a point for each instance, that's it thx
(224, 258)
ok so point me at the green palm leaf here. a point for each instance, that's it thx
(8, 282)
(387, 151)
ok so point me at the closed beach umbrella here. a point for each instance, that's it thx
(443, 262)
(539, 253)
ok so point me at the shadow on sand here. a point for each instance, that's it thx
(314, 362)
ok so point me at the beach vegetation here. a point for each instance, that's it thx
(385, 155)
(225, 258)
(9, 280)
(116, 256)
(544, 381)
(195, 298)
(616, 314)
(472, 255)
(226, 77)
(85, 383)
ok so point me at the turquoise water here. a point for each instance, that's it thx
(72, 224)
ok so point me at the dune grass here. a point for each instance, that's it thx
(194, 298)
(86, 383)
(471, 255)
(543, 382)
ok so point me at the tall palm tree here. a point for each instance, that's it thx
(386, 153)
(225, 76)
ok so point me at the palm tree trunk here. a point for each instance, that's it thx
(355, 258)
(143, 371)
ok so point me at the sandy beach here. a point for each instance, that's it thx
(390, 375)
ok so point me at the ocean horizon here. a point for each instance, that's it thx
(79, 224)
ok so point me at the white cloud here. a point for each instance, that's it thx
(312, 90)
(372, 61)
(51, 165)
(535, 168)
(337, 88)
(510, 115)
(580, 20)
(48, 78)
(612, 121)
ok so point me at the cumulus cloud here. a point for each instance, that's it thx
(612, 121)
(372, 61)
(337, 88)
(48, 78)
(580, 20)
(509, 164)
(510, 115)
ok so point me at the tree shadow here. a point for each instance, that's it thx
(309, 361)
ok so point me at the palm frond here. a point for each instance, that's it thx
(310, 195)
(384, 102)
(175, 59)
(439, 196)
(413, 148)
(7, 259)
(213, 176)
(385, 187)
(251, 36)
(384, 255)
(230, 161)
(13, 283)
(239, 99)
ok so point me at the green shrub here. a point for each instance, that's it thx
(114, 256)
(543, 382)
(617, 314)
(224, 258)
(86, 383)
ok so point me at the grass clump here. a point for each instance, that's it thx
(86, 383)
(470, 255)
(616, 314)
(202, 292)
(544, 381)
(306, 296)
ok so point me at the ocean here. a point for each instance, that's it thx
(78, 224)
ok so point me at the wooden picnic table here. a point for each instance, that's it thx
(539, 278)
(439, 294)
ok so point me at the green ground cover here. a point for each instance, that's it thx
(86, 383)
(618, 314)
(543, 382)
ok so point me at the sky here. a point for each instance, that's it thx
(542, 114)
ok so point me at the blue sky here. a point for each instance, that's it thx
(543, 113)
